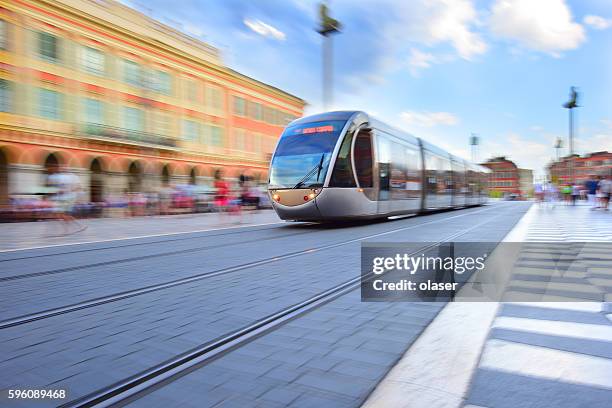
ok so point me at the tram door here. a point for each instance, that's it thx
(383, 159)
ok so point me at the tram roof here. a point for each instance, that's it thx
(348, 114)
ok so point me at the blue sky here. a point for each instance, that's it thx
(440, 69)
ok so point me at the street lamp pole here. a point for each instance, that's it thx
(570, 105)
(327, 27)
(474, 141)
(558, 146)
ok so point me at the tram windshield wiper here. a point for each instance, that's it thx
(311, 172)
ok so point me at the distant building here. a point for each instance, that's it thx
(596, 163)
(526, 182)
(125, 102)
(506, 178)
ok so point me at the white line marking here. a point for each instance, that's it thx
(556, 365)
(556, 328)
(139, 237)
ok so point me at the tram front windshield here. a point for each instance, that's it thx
(303, 154)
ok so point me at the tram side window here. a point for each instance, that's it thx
(398, 172)
(447, 176)
(413, 171)
(363, 159)
(342, 176)
(431, 173)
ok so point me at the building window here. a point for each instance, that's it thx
(214, 98)
(49, 104)
(6, 96)
(161, 82)
(190, 130)
(3, 35)
(191, 90)
(93, 61)
(132, 73)
(133, 119)
(162, 124)
(48, 47)
(239, 139)
(93, 111)
(216, 136)
(268, 115)
(255, 111)
(239, 106)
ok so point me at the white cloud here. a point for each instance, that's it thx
(265, 30)
(428, 119)
(419, 60)
(597, 22)
(541, 25)
(433, 22)
(450, 22)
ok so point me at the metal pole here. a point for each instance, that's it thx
(571, 145)
(327, 71)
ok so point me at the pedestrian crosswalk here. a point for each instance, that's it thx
(542, 354)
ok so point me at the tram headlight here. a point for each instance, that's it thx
(311, 195)
(276, 197)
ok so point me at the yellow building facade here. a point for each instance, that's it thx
(125, 102)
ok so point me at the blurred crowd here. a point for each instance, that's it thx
(63, 197)
(596, 191)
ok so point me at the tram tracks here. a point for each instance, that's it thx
(134, 387)
(140, 258)
(51, 312)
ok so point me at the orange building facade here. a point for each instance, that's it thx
(124, 102)
(579, 169)
(504, 177)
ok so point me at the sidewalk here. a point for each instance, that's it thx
(35, 234)
(538, 354)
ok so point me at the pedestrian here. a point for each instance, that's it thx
(222, 191)
(576, 191)
(538, 191)
(591, 190)
(605, 190)
(66, 186)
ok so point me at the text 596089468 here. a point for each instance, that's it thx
(36, 394)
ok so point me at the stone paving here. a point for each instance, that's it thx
(41, 233)
(94, 347)
(332, 357)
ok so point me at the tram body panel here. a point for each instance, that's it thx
(338, 203)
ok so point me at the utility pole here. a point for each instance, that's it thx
(474, 141)
(570, 105)
(327, 27)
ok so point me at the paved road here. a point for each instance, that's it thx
(113, 309)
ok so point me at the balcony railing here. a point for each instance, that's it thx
(127, 135)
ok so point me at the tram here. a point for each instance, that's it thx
(347, 165)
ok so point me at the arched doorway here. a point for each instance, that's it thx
(165, 176)
(192, 177)
(51, 164)
(96, 182)
(3, 180)
(135, 177)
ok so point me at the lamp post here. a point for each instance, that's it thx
(570, 105)
(474, 141)
(558, 146)
(327, 27)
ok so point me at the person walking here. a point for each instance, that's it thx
(591, 190)
(605, 190)
(222, 192)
